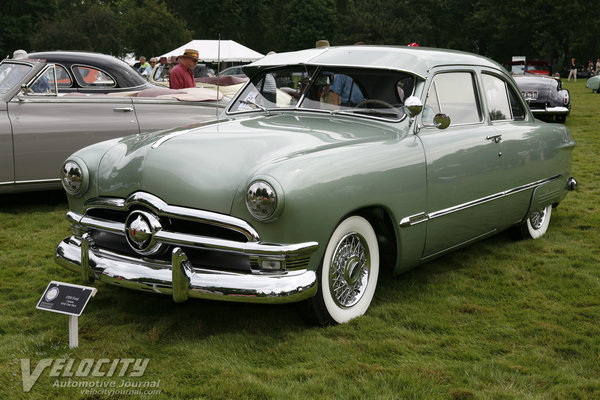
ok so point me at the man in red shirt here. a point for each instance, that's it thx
(182, 75)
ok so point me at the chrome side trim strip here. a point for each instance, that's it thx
(423, 216)
(37, 181)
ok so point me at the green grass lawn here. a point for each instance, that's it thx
(497, 320)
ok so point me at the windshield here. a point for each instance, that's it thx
(11, 75)
(365, 92)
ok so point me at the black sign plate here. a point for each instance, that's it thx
(65, 298)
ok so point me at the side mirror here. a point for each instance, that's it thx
(441, 121)
(413, 106)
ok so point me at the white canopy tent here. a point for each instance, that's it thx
(215, 50)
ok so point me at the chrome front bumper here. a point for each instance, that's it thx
(179, 279)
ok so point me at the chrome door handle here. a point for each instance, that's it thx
(123, 109)
(495, 138)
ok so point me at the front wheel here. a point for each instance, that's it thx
(348, 273)
(537, 224)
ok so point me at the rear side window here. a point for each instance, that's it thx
(92, 77)
(453, 94)
(501, 100)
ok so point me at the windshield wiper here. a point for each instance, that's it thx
(263, 108)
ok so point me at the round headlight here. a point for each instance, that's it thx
(74, 177)
(261, 200)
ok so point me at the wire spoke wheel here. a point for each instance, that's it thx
(348, 273)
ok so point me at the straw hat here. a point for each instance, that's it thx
(322, 43)
(190, 53)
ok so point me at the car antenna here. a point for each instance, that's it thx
(218, 74)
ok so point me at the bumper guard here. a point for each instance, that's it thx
(179, 279)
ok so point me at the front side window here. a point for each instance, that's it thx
(362, 92)
(453, 94)
(45, 84)
(502, 102)
(92, 77)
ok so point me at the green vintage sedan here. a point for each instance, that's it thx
(329, 165)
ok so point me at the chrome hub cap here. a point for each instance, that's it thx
(349, 270)
(537, 218)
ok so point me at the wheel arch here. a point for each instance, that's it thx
(387, 238)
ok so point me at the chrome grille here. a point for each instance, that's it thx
(210, 240)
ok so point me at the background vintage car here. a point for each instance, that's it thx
(593, 83)
(45, 115)
(88, 72)
(297, 197)
(545, 96)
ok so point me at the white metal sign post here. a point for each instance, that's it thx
(69, 299)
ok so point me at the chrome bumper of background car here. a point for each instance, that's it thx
(551, 110)
(180, 280)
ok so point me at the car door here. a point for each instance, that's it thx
(47, 127)
(464, 166)
(6, 152)
(519, 141)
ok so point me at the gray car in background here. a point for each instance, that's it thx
(45, 116)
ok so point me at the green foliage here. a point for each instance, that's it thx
(497, 320)
(84, 27)
(151, 30)
(554, 31)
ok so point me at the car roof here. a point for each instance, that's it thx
(123, 73)
(416, 60)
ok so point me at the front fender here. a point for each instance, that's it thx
(322, 188)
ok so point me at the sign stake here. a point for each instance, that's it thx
(69, 299)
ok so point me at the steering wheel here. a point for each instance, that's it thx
(366, 102)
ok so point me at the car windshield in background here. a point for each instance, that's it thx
(11, 74)
(364, 92)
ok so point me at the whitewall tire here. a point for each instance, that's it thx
(348, 273)
(537, 224)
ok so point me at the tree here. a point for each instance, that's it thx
(85, 27)
(150, 28)
(18, 19)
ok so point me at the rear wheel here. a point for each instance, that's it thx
(348, 273)
(537, 224)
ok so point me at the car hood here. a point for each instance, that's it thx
(203, 167)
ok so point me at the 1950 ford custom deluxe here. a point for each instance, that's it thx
(328, 164)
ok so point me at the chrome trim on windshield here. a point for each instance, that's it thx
(423, 216)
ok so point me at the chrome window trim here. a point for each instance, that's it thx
(418, 218)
